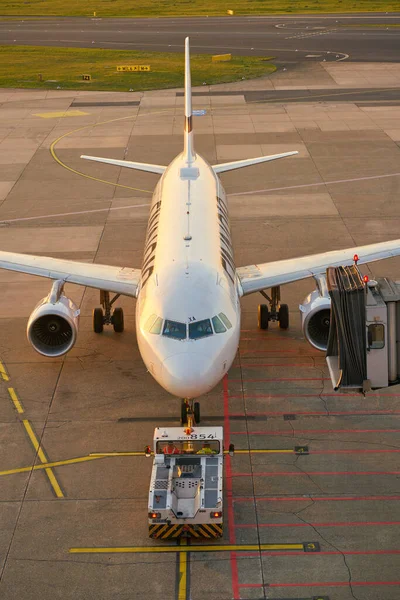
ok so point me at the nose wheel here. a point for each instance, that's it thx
(107, 316)
(273, 311)
(190, 410)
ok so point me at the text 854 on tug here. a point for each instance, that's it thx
(186, 486)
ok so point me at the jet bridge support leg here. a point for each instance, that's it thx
(106, 317)
(277, 311)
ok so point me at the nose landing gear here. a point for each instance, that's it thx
(276, 311)
(106, 317)
(190, 412)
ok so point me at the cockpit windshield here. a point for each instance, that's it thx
(200, 329)
(174, 329)
(178, 330)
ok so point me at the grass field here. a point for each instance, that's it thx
(20, 67)
(166, 8)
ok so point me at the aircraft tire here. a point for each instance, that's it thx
(118, 320)
(283, 316)
(196, 412)
(98, 320)
(183, 412)
(263, 316)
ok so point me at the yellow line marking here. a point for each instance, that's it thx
(62, 114)
(58, 463)
(103, 454)
(186, 549)
(182, 570)
(16, 402)
(3, 372)
(42, 457)
(136, 453)
(62, 164)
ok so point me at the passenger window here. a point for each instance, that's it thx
(376, 336)
(200, 329)
(218, 325)
(149, 322)
(175, 330)
(157, 326)
(225, 320)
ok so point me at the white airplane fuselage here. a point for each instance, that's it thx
(188, 277)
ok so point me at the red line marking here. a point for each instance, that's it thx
(314, 431)
(307, 473)
(257, 366)
(334, 584)
(284, 379)
(228, 466)
(242, 352)
(316, 413)
(327, 395)
(313, 498)
(340, 524)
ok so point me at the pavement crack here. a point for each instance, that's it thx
(330, 544)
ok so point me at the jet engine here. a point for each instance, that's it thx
(53, 325)
(316, 315)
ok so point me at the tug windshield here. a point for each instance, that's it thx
(199, 447)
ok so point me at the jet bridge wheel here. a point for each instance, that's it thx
(98, 320)
(263, 316)
(117, 320)
(283, 316)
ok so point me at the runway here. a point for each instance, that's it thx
(289, 39)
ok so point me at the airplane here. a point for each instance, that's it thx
(188, 289)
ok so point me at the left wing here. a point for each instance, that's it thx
(119, 280)
(255, 278)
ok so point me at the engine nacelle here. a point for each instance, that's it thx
(316, 317)
(53, 326)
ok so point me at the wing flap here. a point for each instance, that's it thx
(158, 169)
(254, 278)
(119, 280)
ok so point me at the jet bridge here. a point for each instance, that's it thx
(363, 346)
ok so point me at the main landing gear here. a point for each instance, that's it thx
(190, 412)
(105, 317)
(276, 311)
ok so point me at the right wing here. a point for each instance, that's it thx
(255, 278)
(159, 169)
(119, 280)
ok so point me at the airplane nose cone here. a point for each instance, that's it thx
(188, 375)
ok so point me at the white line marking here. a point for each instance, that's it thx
(68, 214)
(306, 185)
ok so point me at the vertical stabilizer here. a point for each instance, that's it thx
(189, 146)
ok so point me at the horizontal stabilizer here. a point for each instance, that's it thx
(159, 169)
(238, 164)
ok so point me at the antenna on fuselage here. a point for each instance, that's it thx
(188, 139)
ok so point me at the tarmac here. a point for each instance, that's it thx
(312, 504)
